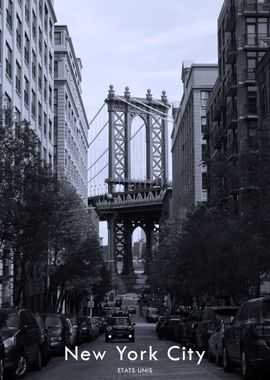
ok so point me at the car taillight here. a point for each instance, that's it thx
(262, 330)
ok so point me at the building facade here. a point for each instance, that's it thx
(27, 84)
(70, 121)
(188, 144)
(232, 119)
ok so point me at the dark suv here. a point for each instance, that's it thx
(212, 316)
(247, 340)
(119, 327)
(22, 341)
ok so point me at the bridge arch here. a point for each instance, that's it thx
(138, 149)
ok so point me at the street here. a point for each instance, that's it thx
(111, 367)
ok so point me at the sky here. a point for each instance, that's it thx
(138, 43)
(135, 43)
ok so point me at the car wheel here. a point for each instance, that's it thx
(132, 339)
(227, 364)
(38, 363)
(21, 367)
(247, 370)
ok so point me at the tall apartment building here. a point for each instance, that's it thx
(188, 144)
(70, 121)
(243, 37)
(27, 83)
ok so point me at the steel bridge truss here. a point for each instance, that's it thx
(132, 203)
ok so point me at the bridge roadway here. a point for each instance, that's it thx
(111, 367)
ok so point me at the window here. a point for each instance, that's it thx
(34, 64)
(27, 14)
(9, 14)
(204, 98)
(26, 91)
(57, 38)
(204, 181)
(203, 123)
(45, 88)
(50, 62)
(45, 54)
(39, 114)
(44, 154)
(55, 69)
(33, 105)
(45, 124)
(39, 41)
(8, 60)
(19, 32)
(34, 25)
(50, 96)
(204, 151)
(18, 77)
(50, 129)
(50, 29)
(26, 48)
(39, 77)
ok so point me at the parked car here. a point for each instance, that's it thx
(211, 317)
(22, 341)
(247, 340)
(193, 319)
(84, 329)
(152, 314)
(45, 345)
(168, 329)
(180, 329)
(72, 334)
(120, 327)
(160, 321)
(58, 330)
(75, 324)
(215, 343)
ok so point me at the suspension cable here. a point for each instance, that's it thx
(152, 108)
(96, 115)
(98, 133)
(101, 170)
(94, 163)
(149, 113)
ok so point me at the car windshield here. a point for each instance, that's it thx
(120, 321)
(153, 311)
(9, 320)
(53, 321)
(266, 310)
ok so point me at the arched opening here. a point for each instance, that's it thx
(138, 250)
(138, 149)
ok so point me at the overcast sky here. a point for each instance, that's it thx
(139, 43)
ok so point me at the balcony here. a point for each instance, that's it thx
(248, 76)
(229, 23)
(252, 7)
(230, 53)
(257, 41)
(231, 85)
(231, 118)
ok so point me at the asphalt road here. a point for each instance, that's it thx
(111, 367)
